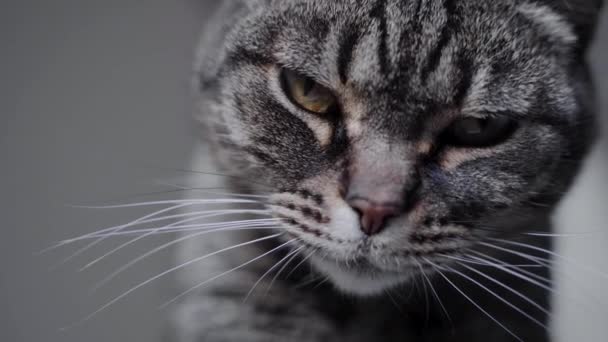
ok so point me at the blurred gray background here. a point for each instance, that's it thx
(94, 106)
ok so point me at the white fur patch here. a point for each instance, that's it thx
(453, 158)
(354, 110)
(352, 283)
(345, 223)
(478, 92)
(553, 24)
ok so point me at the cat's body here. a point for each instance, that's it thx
(412, 65)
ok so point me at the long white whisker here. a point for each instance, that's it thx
(140, 285)
(101, 239)
(426, 300)
(586, 234)
(276, 276)
(487, 264)
(443, 308)
(99, 233)
(152, 218)
(309, 281)
(301, 263)
(539, 260)
(198, 214)
(277, 264)
(193, 227)
(519, 294)
(187, 202)
(590, 302)
(473, 302)
(497, 296)
(194, 288)
(180, 228)
(529, 278)
(395, 303)
(150, 233)
(521, 271)
(485, 288)
(519, 275)
(169, 244)
(549, 252)
(325, 280)
(50, 248)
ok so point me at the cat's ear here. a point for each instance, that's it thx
(582, 15)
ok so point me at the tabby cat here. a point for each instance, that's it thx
(399, 161)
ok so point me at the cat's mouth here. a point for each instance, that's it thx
(360, 276)
(368, 268)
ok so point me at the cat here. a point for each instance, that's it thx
(407, 157)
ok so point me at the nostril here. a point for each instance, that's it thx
(373, 216)
(357, 210)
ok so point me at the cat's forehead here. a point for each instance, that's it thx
(453, 53)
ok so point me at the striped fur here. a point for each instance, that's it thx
(402, 71)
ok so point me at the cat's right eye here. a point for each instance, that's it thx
(479, 132)
(307, 94)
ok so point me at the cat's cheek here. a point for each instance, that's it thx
(316, 211)
(320, 127)
(352, 283)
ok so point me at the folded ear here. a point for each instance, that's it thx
(581, 14)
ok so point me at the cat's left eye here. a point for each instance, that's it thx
(308, 94)
(479, 132)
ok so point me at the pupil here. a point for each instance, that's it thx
(308, 86)
(472, 126)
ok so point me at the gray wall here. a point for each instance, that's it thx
(93, 106)
(94, 102)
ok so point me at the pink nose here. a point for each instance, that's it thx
(373, 216)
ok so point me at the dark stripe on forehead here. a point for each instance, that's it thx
(444, 38)
(410, 43)
(379, 13)
(466, 67)
(418, 8)
(348, 41)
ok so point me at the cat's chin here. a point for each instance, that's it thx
(359, 281)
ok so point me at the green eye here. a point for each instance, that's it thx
(474, 132)
(307, 94)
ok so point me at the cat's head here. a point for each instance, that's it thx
(392, 132)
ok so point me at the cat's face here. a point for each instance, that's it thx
(393, 132)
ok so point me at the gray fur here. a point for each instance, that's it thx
(402, 69)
